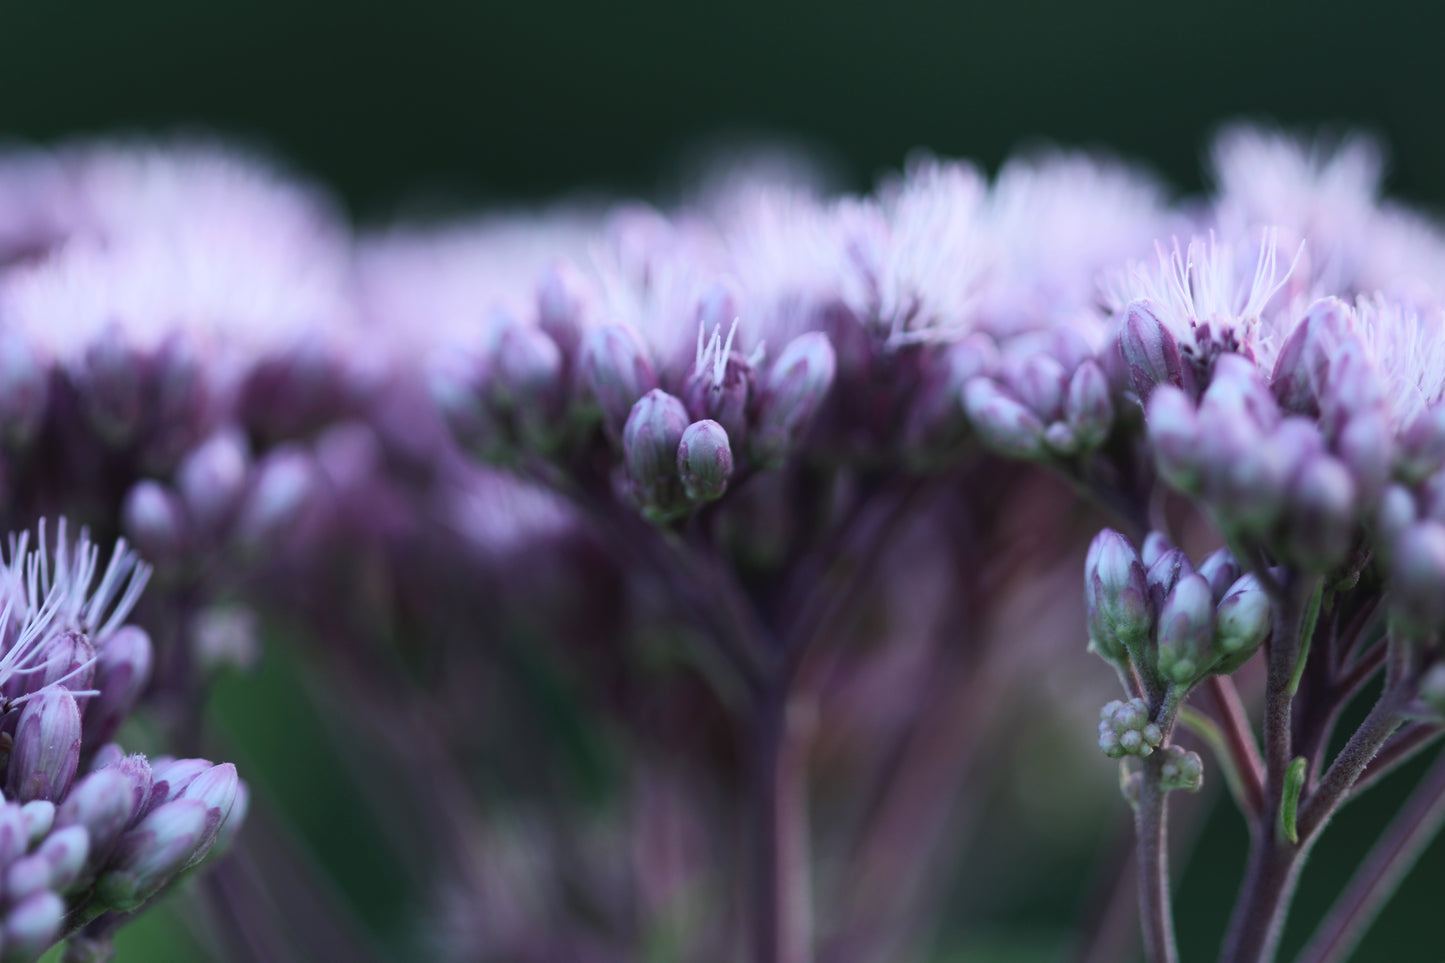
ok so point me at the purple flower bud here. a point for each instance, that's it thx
(650, 441)
(1303, 362)
(793, 390)
(32, 926)
(39, 817)
(527, 376)
(1321, 513)
(1059, 438)
(47, 747)
(1422, 446)
(1003, 423)
(704, 460)
(1418, 572)
(1156, 544)
(211, 480)
(105, 803)
(1366, 444)
(150, 855)
(1242, 619)
(561, 304)
(1148, 351)
(1040, 383)
(217, 788)
(122, 671)
(615, 367)
(1395, 513)
(14, 833)
(1171, 566)
(1120, 616)
(1186, 630)
(283, 481)
(24, 388)
(55, 865)
(1088, 408)
(1221, 571)
(234, 820)
(1174, 435)
(170, 777)
(155, 521)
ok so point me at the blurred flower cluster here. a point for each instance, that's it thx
(684, 569)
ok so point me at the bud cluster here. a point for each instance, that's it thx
(1126, 730)
(1168, 620)
(85, 829)
(221, 497)
(1042, 404)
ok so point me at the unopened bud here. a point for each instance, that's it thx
(527, 378)
(47, 747)
(1321, 512)
(39, 818)
(1303, 359)
(155, 521)
(1155, 545)
(1186, 630)
(793, 391)
(1418, 572)
(1171, 565)
(1181, 769)
(1422, 446)
(561, 304)
(212, 478)
(1242, 619)
(1088, 408)
(234, 820)
(650, 441)
(1116, 594)
(32, 926)
(148, 856)
(1003, 423)
(1220, 570)
(105, 803)
(1174, 436)
(704, 460)
(1149, 353)
(615, 367)
(283, 482)
(1395, 513)
(1040, 383)
(123, 669)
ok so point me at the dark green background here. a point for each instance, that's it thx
(526, 99)
(488, 101)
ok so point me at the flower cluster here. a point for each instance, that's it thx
(84, 829)
(741, 473)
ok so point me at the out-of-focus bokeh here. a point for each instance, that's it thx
(450, 104)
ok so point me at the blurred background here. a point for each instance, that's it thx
(451, 104)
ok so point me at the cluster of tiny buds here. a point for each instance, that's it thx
(1295, 463)
(221, 496)
(1125, 729)
(1042, 404)
(1174, 623)
(1179, 768)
